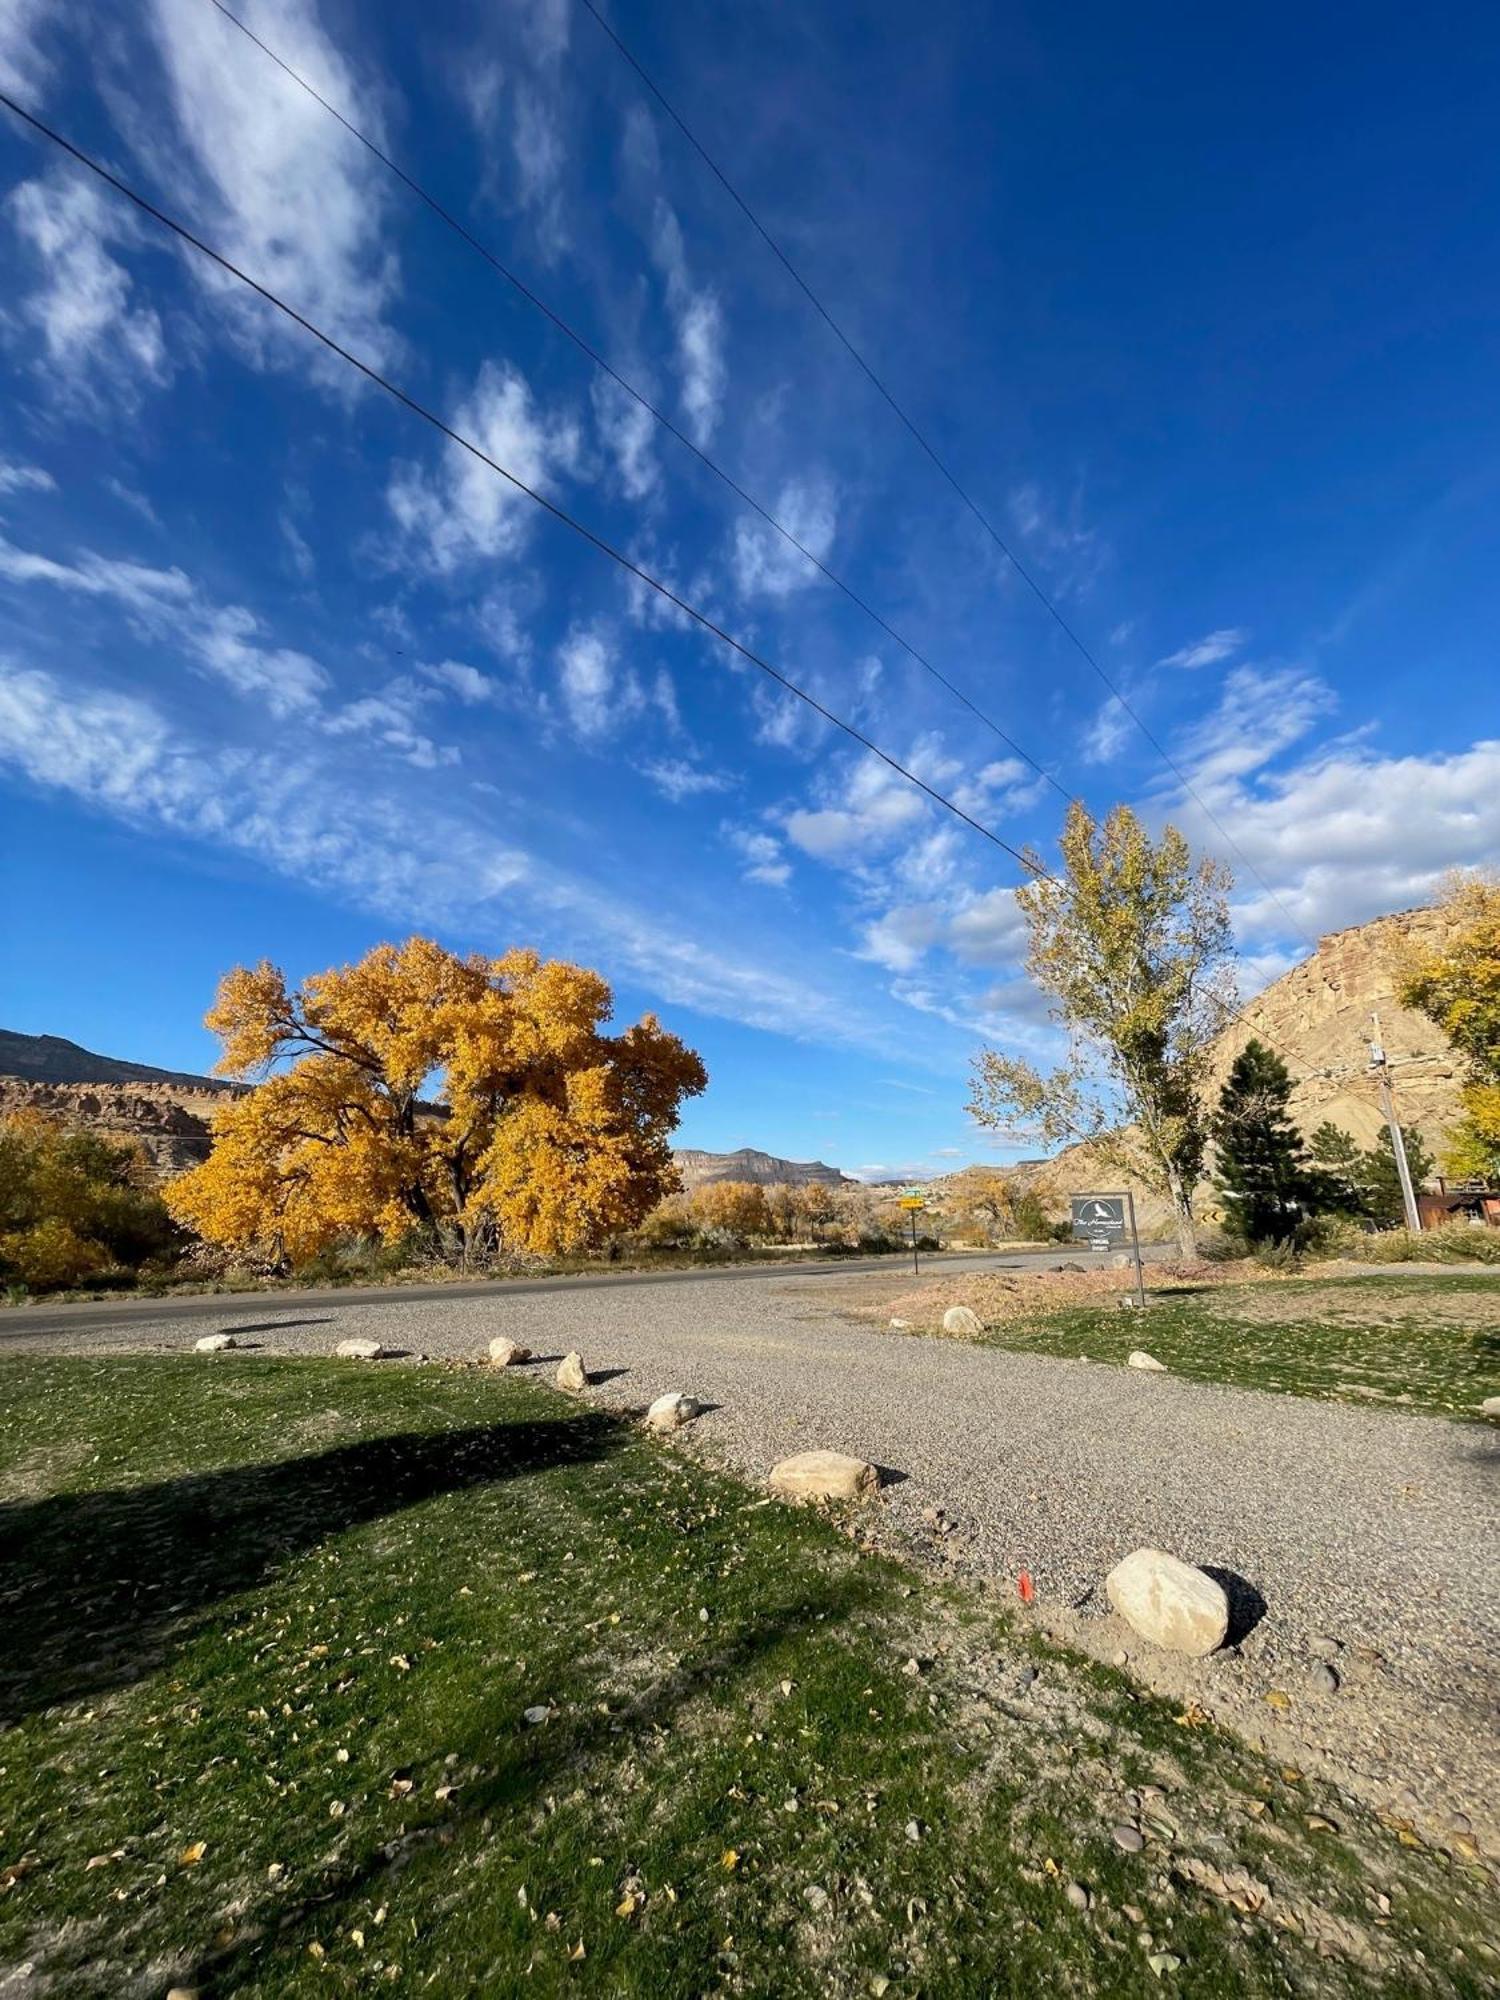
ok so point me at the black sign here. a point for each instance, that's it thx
(1099, 1219)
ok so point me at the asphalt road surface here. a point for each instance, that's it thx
(20, 1321)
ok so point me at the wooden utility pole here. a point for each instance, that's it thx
(1380, 1069)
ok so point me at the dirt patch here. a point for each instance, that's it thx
(1368, 1304)
(43, 1469)
(1001, 1297)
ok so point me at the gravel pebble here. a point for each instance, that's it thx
(1129, 1839)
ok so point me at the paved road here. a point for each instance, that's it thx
(1373, 1530)
(225, 1307)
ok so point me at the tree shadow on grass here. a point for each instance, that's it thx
(527, 1765)
(96, 1589)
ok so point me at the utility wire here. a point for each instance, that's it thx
(585, 347)
(638, 396)
(920, 438)
(1028, 862)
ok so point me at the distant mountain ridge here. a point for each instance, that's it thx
(52, 1059)
(699, 1168)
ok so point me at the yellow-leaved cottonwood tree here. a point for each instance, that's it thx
(1458, 987)
(1132, 940)
(544, 1133)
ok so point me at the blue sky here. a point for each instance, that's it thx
(1202, 310)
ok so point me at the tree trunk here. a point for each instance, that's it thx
(1182, 1215)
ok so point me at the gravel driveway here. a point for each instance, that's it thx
(1370, 1537)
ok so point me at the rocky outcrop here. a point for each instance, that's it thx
(169, 1123)
(1318, 1014)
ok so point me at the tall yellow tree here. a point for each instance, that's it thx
(1458, 987)
(1132, 941)
(478, 1100)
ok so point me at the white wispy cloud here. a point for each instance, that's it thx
(765, 563)
(24, 67)
(597, 693)
(761, 852)
(978, 927)
(699, 323)
(97, 344)
(1209, 650)
(901, 937)
(1261, 711)
(628, 430)
(1057, 534)
(119, 755)
(16, 476)
(468, 683)
(282, 189)
(1107, 732)
(676, 779)
(227, 641)
(392, 717)
(873, 807)
(461, 512)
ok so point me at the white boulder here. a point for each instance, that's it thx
(962, 1319)
(670, 1412)
(823, 1475)
(362, 1350)
(214, 1343)
(571, 1374)
(508, 1353)
(1169, 1602)
(1490, 1407)
(1140, 1359)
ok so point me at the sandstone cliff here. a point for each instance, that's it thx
(1318, 1016)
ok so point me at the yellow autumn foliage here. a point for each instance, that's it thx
(1458, 987)
(476, 1100)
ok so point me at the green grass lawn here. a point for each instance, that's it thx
(1420, 1343)
(269, 1630)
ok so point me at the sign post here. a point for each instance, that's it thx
(913, 1201)
(1101, 1221)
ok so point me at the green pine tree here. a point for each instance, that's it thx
(1383, 1181)
(1338, 1159)
(1270, 1192)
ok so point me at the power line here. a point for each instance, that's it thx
(937, 460)
(1026, 861)
(638, 396)
(558, 513)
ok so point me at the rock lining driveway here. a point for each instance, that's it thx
(1365, 1538)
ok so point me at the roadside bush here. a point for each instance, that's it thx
(360, 1260)
(1276, 1256)
(76, 1208)
(1215, 1246)
(1459, 1243)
